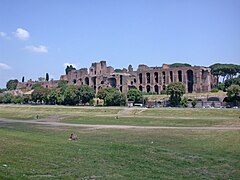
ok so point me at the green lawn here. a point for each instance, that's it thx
(127, 116)
(150, 121)
(30, 151)
(42, 152)
(193, 112)
(30, 112)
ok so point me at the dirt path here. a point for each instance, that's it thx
(50, 123)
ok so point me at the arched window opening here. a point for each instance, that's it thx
(180, 76)
(148, 77)
(190, 81)
(156, 77)
(87, 81)
(171, 76)
(121, 79)
(156, 89)
(140, 78)
(148, 88)
(164, 87)
(164, 77)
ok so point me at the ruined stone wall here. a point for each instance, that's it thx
(155, 79)
(147, 79)
(46, 84)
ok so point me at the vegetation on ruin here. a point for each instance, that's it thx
(180, 65)
(69, 68)
(36, 86)
(118, 70)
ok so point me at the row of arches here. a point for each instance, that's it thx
(189, 80)
(155, 89)
(156, 76)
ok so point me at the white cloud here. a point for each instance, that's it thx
(68, 64)
(22, 34)
(4, 66)
(37, 49)
(3, 34)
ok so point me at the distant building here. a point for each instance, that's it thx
(197, 79)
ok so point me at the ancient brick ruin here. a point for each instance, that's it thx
(147, 79)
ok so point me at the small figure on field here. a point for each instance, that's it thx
(72, 137)
(116, 117)
(37, 116)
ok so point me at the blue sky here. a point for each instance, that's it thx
(41, 36)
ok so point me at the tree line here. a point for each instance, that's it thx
(67, 94)
(226, 71)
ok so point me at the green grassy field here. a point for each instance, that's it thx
(30, 151)
(29, 112)
(38, 152)
(127, 116)
(150, 121)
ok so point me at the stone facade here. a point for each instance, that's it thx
(46, 84)
(147, 79)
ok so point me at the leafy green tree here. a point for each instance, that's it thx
(71, 95)
(17, 99)
(26, 98)
(55, 96)
(221, 86)
(12, 84)
(102, 93)
(47, 77)
(69, 68)
(135, 95)
(176, 91)
(184, 102)
(233, 93)
(115, 98)
(86, 94)
(40, 95)
(7, 98)
(225, 70)
(112, 96)
(232, 81)
(62, 84)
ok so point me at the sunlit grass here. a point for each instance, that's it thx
(40, 152)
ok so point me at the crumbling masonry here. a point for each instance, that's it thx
(147, 79)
